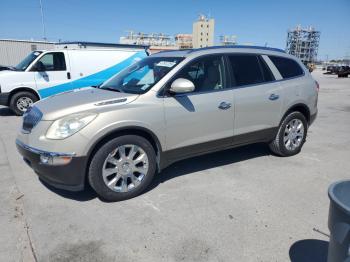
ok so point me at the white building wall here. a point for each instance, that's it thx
(14, 51)
(203, 33)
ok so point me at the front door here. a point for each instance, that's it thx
(202, 120)
(51, 74)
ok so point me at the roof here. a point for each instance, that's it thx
(28, 41)
(187, 52)
(82, 43)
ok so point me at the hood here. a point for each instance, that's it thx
(76, 101)
(8, 72)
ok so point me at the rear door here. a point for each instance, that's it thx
(56, 73)
(256, 97)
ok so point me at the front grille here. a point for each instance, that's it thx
(31, 118)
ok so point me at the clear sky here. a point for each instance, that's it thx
(252, 21)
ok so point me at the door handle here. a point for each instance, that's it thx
(273, 97)
(68, 75)
(224, 105)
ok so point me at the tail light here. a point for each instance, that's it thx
(317, 86)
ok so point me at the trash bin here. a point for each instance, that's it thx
(339, 222)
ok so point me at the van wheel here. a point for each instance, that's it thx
(291, 135)
(20, 102)
(122, 168)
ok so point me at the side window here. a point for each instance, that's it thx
(246, 69)
(287, 67)
(207, 73)
(53, 62)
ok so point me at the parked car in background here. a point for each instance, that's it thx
(343, 71)
(45, 73)
(167, 107)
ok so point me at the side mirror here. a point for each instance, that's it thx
(39, 67)
(182, 85)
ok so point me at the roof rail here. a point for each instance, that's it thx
(83, 43)
(239, 46)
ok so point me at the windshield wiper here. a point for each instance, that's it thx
(110, 89)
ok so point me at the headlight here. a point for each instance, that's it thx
(69, 125)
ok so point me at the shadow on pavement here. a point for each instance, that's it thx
(181, 168)
(209, 161)
(309, 250)
(87, 194)
(4, 111)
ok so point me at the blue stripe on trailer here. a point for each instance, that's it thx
(94, 79)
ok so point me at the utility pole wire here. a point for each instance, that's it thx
(42, 20)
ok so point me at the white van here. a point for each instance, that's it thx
(45, 73)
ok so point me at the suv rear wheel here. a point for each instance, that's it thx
(20, 102)
(122, 168)
(291, 135)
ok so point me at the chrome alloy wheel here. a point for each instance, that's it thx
(23, 103)
(293, 134)
(125, 168)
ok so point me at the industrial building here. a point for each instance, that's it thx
(227, 40)
(183, 41)
(303, 43)
(13, 51)
(202, 36)
(203, 32)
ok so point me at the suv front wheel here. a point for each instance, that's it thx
(122, 168)
(291, 135)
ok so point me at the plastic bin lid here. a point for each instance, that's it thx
(339, 193)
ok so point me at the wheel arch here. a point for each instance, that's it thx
(23, 89)
(300, 107)
(128, 130)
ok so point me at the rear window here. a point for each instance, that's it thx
(287, 67)
(249, 69)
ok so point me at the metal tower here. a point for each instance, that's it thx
(303, 43)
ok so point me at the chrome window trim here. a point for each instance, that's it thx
(42, 152)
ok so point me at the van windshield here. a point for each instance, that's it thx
(141, 76)
(27, 61)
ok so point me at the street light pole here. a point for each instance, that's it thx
(42, 20)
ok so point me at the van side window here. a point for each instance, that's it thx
(247, 70)
(53, 62)
(287, 67)
(207, 73)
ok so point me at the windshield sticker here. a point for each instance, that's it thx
(36, 53)
(166, 64)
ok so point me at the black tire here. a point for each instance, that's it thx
(95, 169)
(277, 146)
(19, 95)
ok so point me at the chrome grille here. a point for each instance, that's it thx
(30, 119)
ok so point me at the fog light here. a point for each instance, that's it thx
(45, 159)
(55, 160)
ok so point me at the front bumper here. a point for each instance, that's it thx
(70, 176)
(4, 99)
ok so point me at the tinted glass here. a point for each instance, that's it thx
(268, 76)
(207, 73)
(287, 67)
(246, 69)
(141, 76)
(53, 62)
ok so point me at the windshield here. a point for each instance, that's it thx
(27, 61)
(142, 76)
